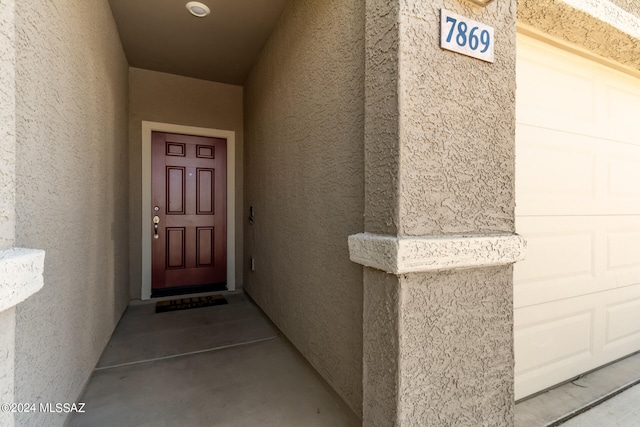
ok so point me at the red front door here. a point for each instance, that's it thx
(188, 200)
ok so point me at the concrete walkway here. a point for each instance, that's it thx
(622, 410)
(217, 366)
(554, 405)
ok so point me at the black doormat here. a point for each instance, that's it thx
(191, 289)
(187, 303)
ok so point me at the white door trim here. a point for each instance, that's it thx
(230, 136)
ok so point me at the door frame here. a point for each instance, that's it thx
(149, 127)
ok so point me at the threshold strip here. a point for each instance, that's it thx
(173, 356)
(585, 408)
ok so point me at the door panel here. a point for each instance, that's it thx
(175, 190)
(205, 240)
(189, 192)
(205, 191)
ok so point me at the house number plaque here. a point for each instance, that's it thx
(466, 36)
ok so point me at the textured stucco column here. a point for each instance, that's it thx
(439, 220)
(7, 124)
(7, 191)
(20, 269)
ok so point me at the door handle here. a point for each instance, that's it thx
(156, 220)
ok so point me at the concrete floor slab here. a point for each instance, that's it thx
(217, 366)
(622, 410)
(142, 334)
(261, 384)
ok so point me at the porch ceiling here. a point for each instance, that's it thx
(161, 35)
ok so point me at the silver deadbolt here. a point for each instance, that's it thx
(156, 208)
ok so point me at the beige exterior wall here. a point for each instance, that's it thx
(7, 343)
(71, 194)
(7, 124)
(381, 370)
(167, 98)
(304, 113)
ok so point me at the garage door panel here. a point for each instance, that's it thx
(571, 256)
(567, 255)
(573, 94)
(562, 96)
(623, 255)
(556, 173)
(555, 343)
(623, 177)
(562, 260)
(623, 104)
(550, 343)
(568, 174)
(611, 318)
(623, 323)
(623, 250)
(566, 100)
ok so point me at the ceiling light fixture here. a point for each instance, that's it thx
(198, 9)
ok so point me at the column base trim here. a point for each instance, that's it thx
(399, 255)
(21, 275)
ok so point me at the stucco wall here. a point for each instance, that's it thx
(456, 348)
(304, 113)
(7, 344)
(381, 370)
(450, 335)
(7, 124)
(382, 121)
(71, 174)
(456, 127)
(454, 173)
(167, 98)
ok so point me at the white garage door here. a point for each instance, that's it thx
(577, 295)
